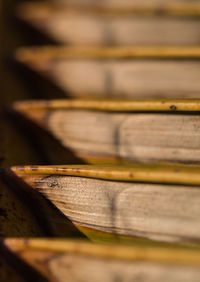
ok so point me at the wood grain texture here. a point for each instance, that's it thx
(152, 211)
(127, 136)
(125, 26)
(150, 72)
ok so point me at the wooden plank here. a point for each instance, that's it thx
(120, 130)
(118, 72)
(114, 199)
(166, 24)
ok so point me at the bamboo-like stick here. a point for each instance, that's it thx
(156, 173)
(41, 54)
(147, 105)
(170, 255)
(40, 10)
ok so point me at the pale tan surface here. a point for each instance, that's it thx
(62, 267)
(158, 212)
(135, 137)
(121, 78)
(86, 269)
(62, 260)
(85, 29)
(136, 79)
